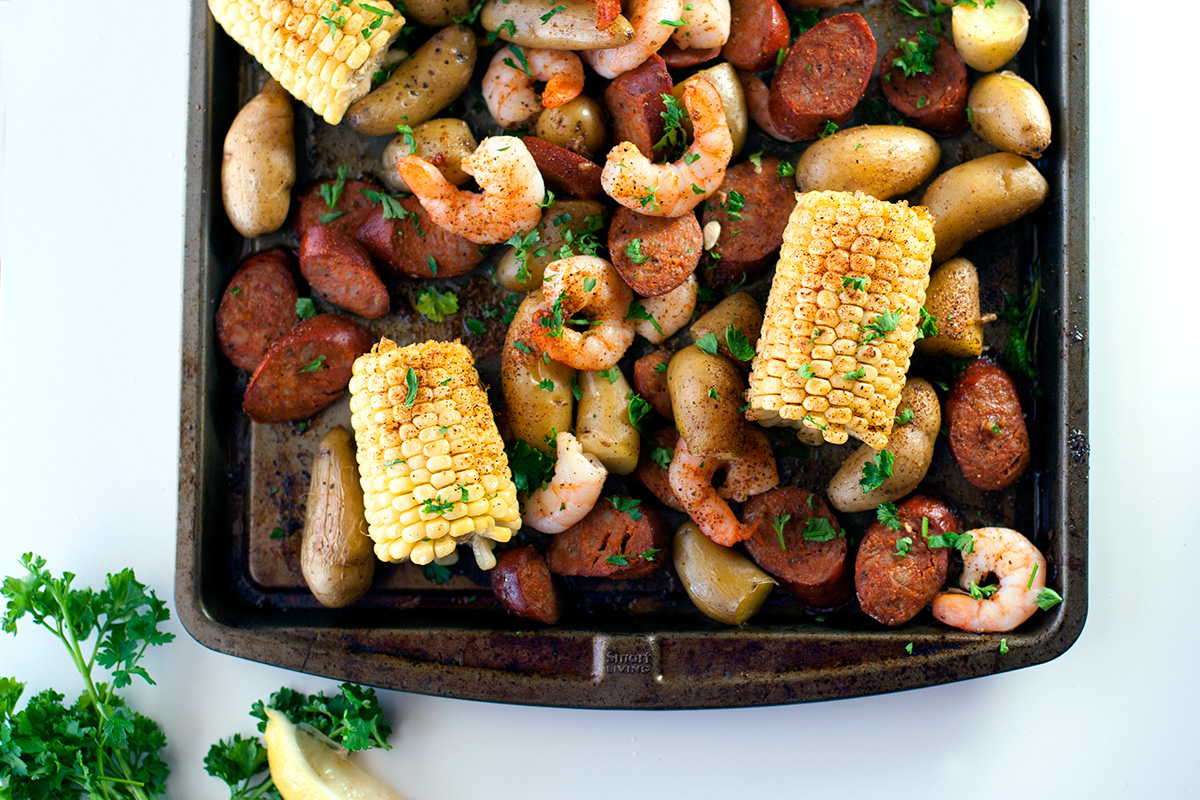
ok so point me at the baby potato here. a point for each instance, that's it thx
(409, 96)
(442, 142)
(986, 37)
(720, 581)
(436, 12)
(602, 421)
(535, 413)
(738, 312)
(577, 216)
(1009, 114)
(725, 80)
(668, 312)
(337, 558)
(880, 160)
(953, 297)
(981, 195)
(577, 126)
(258, 166)
(571, 28)
(706, 398)
(911, 446)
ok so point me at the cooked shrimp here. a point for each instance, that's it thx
(584, 284)
(511, 183)
(758, 100)
(508, 83)
(671, 311)
(691, 478)
(649, 34)
(672, 190)
(1021, 569)
(706, 25)
(574, 489)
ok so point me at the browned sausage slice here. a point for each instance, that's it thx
(416, 246)
(680, 58)
(565, 171)
(936, 101)
(339, 269)
(823, 77)
(650, 381)
(608, 543)
(893, 588)
(817, 572)
(758, 30)
(752, 220)
(651, 474)
(987, 429)
(351, 209)
(259, 306)
(306, 370)
(523, 584)
(654, 254)
(635, 101)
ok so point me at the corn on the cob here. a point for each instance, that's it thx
(842, 316)
(433, 467)
(322, 51)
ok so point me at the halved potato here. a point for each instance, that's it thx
(987, 37)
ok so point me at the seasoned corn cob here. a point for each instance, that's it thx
(842, 316)
(433, 467)
(322, 51)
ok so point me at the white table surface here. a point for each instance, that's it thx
(91, 242)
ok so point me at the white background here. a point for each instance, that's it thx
(92, 118)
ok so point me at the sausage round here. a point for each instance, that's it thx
(350, 210)
(750, 243)
(823, 77)
(258, 306)
(406, 245)
(669, 250)
(523, 584)
(306, 370)
(650, 381)
(935, 102)
(339, 269)
(652, 475)
(635, 102)
(892, 588)
(816, 572)
(608, 543)
(565, 171)
(758, 31)
(988, 438)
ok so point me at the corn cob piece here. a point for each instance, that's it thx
(842, 316)
(324, 52)
(434, 472)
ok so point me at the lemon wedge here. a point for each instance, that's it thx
(307, 765)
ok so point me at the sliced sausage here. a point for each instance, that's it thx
(523, 584)
(758, 31)
(650, 381)
(635, 102)
(752, 226)
(823, 77)
(817, 572)
(339, 269)
(935, 102)
(259, 306)
(987, 429)
(652, 475)
(680, 58)
(667, 250)
(406, 246)
(306, 370)
(893, 588)
(565, 171)
(608, 543)
(821, 3)
(351, 209)
(758, 104)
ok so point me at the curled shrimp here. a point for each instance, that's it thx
(691, 479)
(584, 284)
(508, 85)
(512, 189)
(706, 25)
(671, 311)
(672, 190)
(574, 489)
(1021, 569)
(649, 34)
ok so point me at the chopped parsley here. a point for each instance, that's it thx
(881, 325)
(779, 524)
(435, 573)
(638, 311)
(553, 10)
(734, 204)
(916, 56)
(805, 371)
(626, 505)
(673, 115)
(786, 169)
(519, 52)
(1047, 599)
(379, 14)
(312, 366)
(410, 380)
(820, 529)
(829, 130)
(331, 191)
(521, 247)
(609, 375)
(708, 343)
(575, 390)
(1017, 353)
(546, 384)
(660, 367)
(739, 344)
(904, 546)
(978, 592)
(634, 251)
(530, 467)
(1004, 647)
(305, 308)
(391, 203)
(859, 283)
(856, 374)
(662, 456)
(638, 409)
(476, 326)
(904, 417)
(876, 471)
(756, 160)
(618, 560)
(435, 305)
(887, 516)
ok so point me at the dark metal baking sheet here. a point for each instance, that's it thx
(636, 645)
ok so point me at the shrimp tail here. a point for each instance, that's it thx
(559, 90)
(424, 179)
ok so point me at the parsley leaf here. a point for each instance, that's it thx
(927, 327)
(858, 283)
(312, 366)
(638, 409)
(331, 191)
(978, 592)
(530, 467)
(618, 560)
(435, 305)
(673, 132)
(1047, 599)
(904, 417)
(876, 471)
(739, 344)
(881, 325)
(1021, 320)
(634, 251)
(626, 505)
(435, 573)
(903, 546)
(305, 308)
(786, 169)
(638, 311)
(886, 514)
(708, 343)
(410, 380)
(662, 456)
(779, 523)
(820, 529)
(916, 57)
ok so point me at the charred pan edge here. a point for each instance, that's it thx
(631, 667)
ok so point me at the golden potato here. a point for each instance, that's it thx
(739, 312)
(707, 393)
(578, 126)
(988, 38)
(572, 28)
(442, 142)
(258, 166)
(602, 421)
(880, 160)
(720, 581)
(1009, 114)
(953, 297)
(337, 557)
(436, 13)
(725, 80)
(577, 216)
(537, 393)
